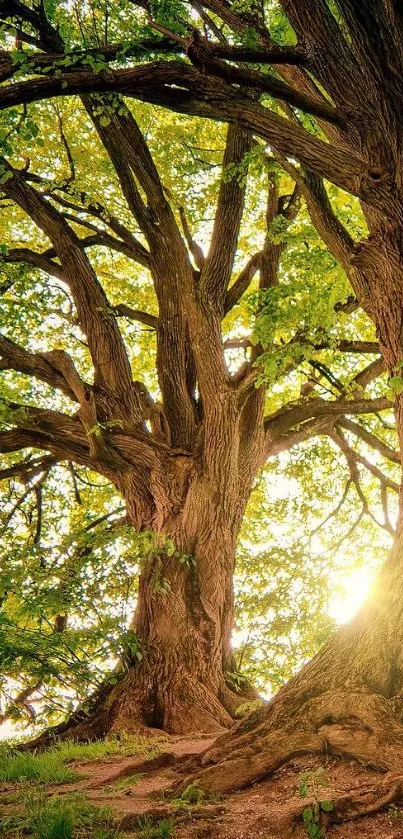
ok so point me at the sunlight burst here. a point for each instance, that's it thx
(350, 594)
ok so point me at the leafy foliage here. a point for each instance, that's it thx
(69, 584)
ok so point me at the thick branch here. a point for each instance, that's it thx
(185, 89)
(38, 260)
(112, 368)
(217, 269)
(136, 314)
(21, 438)
(371, 439)
(331, 58)
(264, 83)
(79, 58)
(14, 357)
(291, 416)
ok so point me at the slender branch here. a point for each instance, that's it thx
(241, 285)
(28, 468)
(333, 512)
(194, 248)
(371, 440)
(325, 220)
(19, 700)
(353, 458)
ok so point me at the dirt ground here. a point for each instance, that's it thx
(270, 809)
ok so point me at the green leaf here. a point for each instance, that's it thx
(396, 384)
(308, 815)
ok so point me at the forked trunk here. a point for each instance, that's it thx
(349, 698)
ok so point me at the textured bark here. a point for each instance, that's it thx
(348, 700)
(185, 466)
(183, 620)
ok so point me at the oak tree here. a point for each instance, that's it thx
(325, 98)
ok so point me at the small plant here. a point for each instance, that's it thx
(193, 794)
(127, 782)
(312, 816)
(395, 813)
(192, 797)
(162, 830)
(311, 783)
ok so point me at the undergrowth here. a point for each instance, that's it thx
(147, 829)
(193, 797)
(70, 817)
(311, 783)
(52, 766)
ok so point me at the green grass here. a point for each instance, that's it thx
(23, 766)
(55, 817)
(128, 782)
(147, 829)
(52, 766)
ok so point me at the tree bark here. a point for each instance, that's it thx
(184, 618)
(348, 700)
(181, 681)
(185, 467)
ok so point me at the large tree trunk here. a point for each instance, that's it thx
(181, 682)
(347, 700)
(184, 619)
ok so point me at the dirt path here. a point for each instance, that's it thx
(135, 788)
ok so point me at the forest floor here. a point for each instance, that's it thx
(137, 791)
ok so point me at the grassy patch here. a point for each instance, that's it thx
(101, 749)
(59, 818)
(147, 829)
(52, 766)
(23, 766)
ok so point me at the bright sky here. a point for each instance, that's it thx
(350, 594)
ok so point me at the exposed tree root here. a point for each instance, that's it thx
(360, 726)
(367, 800)
(138, 705)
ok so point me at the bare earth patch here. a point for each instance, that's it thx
(134, 787)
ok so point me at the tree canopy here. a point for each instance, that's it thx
(289, 327)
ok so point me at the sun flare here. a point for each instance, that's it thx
(350, 594)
